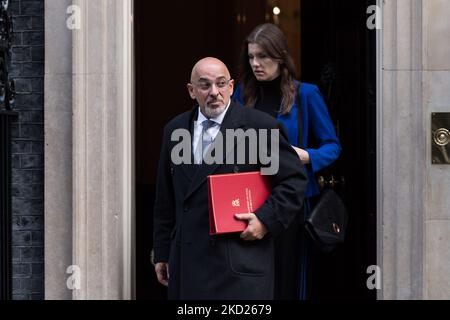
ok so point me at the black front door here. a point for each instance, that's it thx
(339, 54)
(172, 35)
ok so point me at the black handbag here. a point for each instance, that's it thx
(327, 222)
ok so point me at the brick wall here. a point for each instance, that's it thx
(27, 68)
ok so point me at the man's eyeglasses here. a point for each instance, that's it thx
(206, 85)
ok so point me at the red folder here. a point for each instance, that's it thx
(230, 194)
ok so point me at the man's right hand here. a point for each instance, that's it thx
(162, 273)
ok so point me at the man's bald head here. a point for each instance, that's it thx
(209, 65)
(211, 85)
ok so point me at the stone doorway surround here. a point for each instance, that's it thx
(413, 237)
(89, 157)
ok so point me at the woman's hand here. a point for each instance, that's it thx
(303, 155)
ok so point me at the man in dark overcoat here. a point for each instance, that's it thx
(191, 262)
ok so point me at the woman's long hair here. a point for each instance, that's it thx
(272, 40)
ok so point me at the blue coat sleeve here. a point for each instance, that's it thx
(322, 129)
(237, 95)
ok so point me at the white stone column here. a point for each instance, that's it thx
(102, 155)
(436, 98)
(58, 149)
(414, 233)
(100, 227)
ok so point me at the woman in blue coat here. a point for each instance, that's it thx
(267, 82)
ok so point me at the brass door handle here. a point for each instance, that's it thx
(442, 137)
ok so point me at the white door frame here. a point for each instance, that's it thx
(89, 152)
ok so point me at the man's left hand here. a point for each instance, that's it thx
(256, 230)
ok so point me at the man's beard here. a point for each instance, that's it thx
(213, 112)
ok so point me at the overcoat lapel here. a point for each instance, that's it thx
(190, 169)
